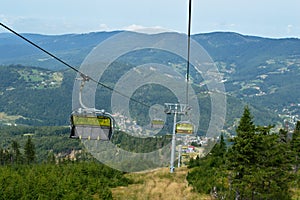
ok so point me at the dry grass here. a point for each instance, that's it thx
(4, 116)
(158, 184)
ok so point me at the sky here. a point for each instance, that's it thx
(265, 18)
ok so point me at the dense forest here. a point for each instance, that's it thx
(66, 180)
(258, 164)
(44, 163)
(29, 171)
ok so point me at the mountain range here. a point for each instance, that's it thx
(264, 73)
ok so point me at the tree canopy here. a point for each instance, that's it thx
(257, 165)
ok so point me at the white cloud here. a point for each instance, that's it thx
(148, 30)
(104, 27)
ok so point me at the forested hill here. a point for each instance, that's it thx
(41, 97)
(262, 72)
(35, 96)
(72, 48)
(227, 47)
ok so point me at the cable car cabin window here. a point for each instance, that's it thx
(184, 128)
(102, 121)
(91, 127)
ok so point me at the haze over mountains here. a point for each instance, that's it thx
(258, 71)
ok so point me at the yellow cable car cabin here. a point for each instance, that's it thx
(157, 123)
(184, 127)
(91, 126)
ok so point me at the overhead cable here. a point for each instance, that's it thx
(84, 76)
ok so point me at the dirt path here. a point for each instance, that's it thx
(158, 184)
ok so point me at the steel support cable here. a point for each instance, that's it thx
(188, 51)
(84, 76)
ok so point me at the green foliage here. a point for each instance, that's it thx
(29, 151)
(16, 153)
(244, 60)
(84, 180)
(246, 126)
(54, 177)
(139, 145)
(51, 106)
(258, 165)
(5, 157)
(295, 144)
(47, 140)
(208, 173)
(42, 106)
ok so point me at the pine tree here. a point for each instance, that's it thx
(209, 174)
(220, 148)
(273, 168)
(246, 127)
(241, 156)
(243, 148)
(295, 145)
(29, 151)
(2, 156)
(258, 162)
(16, 153)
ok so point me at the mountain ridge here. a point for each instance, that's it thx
(77, 46)
(257, 70)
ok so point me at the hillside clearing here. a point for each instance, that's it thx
(8, 119)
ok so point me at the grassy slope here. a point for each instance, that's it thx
(158, 184)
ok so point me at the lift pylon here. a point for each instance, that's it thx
(176, 109)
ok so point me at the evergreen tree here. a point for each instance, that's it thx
(219, 150)
(283, 136)
(258, 163)
(29, 151)
(295, 145)
(246, 127)
(2, 156)
(209, 174)
(242, 154)
(16, 153)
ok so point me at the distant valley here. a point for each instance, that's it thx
(37, 90)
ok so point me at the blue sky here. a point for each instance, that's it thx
(266, 18)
